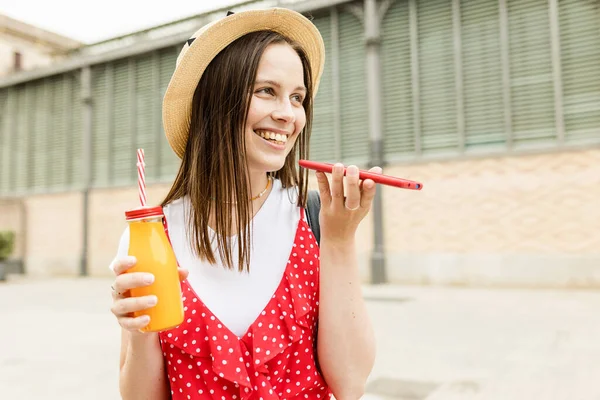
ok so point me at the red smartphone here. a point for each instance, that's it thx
(377, 178)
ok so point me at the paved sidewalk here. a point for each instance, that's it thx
(59, 341)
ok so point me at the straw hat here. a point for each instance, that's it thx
(206, 43)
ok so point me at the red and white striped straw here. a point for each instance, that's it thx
(141, 176)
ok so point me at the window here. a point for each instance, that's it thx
(18, 61)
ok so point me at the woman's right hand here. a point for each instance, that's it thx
(123, 304)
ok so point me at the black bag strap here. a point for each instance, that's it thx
(313, 207)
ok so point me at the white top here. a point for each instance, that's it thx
(237, 298)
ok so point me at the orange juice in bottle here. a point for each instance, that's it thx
(149, 244)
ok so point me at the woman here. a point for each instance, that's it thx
(269, 313)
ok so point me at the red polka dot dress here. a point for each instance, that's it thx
(274, 359)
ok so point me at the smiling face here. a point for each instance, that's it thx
(276, 114)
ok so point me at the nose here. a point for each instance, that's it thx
(284, 112)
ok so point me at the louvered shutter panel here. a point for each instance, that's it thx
(21, 142)
(323, 136)
(100, 125)
(353, 89)
(482, 73)
(580, 56)
(437, 83)
(123, 154)
(5, 113)
(398, 126)
(39, 137)
(532, 89)
(169, 162)
(59, 130)
(145, 112)
(75, 133)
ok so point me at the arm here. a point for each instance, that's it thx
(141, 365)
(346, 341)
(142, 371)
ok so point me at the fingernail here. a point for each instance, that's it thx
(145, 319)
(339, 167)
(148, 278)
(352, 170)
(131, 260)
(152, 301)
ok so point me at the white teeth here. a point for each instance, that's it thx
(272, 136)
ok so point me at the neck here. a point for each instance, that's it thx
(258, 182)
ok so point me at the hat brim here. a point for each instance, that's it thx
(211, 40)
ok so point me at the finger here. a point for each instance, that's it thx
(183, 274)
(337, 185)
(352, 188)
(368, 193)
(324, 191)
(123, 264)
(134, 324)
(124, 307)
(125, 282)
(374, 170)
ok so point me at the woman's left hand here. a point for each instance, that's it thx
(342, 212)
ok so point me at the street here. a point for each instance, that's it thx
(59, 341)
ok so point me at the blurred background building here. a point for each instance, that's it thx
(24, 47)
(493, 104)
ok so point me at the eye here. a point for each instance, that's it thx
(266, 90)
(298, 97)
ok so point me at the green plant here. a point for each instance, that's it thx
(7, 244)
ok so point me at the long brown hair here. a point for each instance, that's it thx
(213, 170)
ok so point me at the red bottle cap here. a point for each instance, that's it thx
(145, 212)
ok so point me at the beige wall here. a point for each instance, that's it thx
(519, 221)
(507, 221)
(107, 222)
(54, 234)
(31, 56)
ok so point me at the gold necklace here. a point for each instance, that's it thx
(263, 192)
(258, 196)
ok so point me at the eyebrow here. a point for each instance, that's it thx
(276, 84)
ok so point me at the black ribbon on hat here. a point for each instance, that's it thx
(190, 41)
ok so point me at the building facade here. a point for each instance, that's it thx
(493, 104)
(24, 47)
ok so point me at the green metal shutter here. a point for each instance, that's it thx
(532, 89)
(482, 73)
(580, 55)
(398, 126)
(123, 154)
(5, 113)
(60, 113)
(13, 115)
(145, 112)
(75, 131)
(21, 142)
(169, 162)
(323, 135)
(353, 89)
(437, 84)
(39, 137)
(100, 126)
